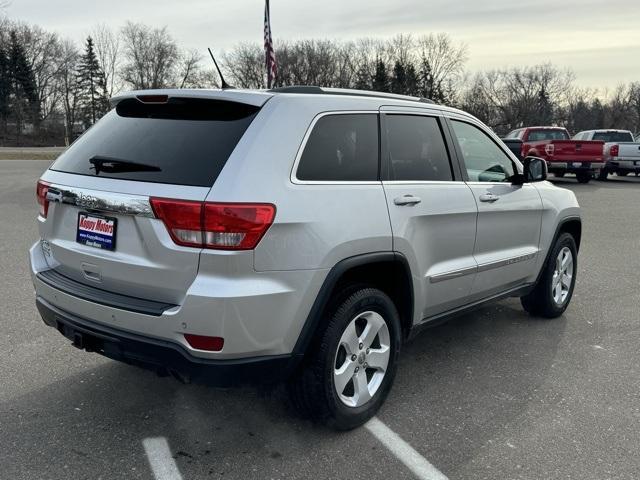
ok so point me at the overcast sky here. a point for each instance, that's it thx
(599, 40)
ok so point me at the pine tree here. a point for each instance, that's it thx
(425, 80)
(363, 78)
(91, 81)
(545, 108)
(412, 81)
(23, 99)
(399, 78)
(380, 78)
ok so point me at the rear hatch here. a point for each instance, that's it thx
(575, 150)
(100, 226)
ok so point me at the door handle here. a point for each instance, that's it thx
(407, 200)
(489, 197)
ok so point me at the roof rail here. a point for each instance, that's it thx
(310, 89)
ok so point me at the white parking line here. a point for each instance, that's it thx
(160, 459)
(403, 451)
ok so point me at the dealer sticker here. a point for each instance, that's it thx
(96, 231)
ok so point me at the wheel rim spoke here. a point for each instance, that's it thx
(350, 339)
(343, 375)
(361, 387)
(374, 324)
(379, 359)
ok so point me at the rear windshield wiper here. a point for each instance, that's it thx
(117, 165)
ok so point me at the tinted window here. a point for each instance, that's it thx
(484, 160)
(416, 149)
(614, 136)
(341, 148)
(538, 135)
(185, 141)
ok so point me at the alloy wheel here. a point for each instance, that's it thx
(562, 276)
(361, 359)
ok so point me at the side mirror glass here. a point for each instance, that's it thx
(535, 169)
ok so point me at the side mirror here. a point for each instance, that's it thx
(535, 170)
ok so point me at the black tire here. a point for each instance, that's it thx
(558, 174)
(603, 175)
(583, 177)
(539, 301)
(622, 174)
(312, 387)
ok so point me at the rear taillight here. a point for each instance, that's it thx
(224, 226)
(41, 197)
(614, 150)
(549, 148)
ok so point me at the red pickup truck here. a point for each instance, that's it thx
(583, 158)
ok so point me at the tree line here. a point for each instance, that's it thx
(52, 89)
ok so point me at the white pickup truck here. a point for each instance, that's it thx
(621, 153)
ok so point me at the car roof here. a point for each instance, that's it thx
(259, 97)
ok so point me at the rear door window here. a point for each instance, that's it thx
(185, 141)
(416, 149)
(341, 147)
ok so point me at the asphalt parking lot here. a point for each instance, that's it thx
(491, 395)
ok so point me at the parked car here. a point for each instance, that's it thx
(621, 153)
(563, 155)
(227, 236)
(515, 145)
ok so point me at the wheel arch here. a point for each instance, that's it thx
(571, 225)
(388, 271)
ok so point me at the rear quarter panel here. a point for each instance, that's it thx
(315, 225)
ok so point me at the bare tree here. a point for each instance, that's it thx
(150, 54)
(108, 50)
(69, 88)
(445, 60)
(244, 65)
(516, 97)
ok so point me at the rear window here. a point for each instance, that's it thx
(613, 136)
(185, 141)
(341, 147)
(538, 135)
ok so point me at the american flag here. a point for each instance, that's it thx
(269, 53)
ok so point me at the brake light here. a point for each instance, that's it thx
(549, 148)
(204, 342)
(614, 150)
(223, 226)
(41, 197)
(153, 98)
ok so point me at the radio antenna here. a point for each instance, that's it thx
(224, 85)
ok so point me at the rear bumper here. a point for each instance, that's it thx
(257, 313)
(622, 164)
(164, 357)
(573, 167)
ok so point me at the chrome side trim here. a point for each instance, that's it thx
(101, 201)
(507, 261)
(441, 277)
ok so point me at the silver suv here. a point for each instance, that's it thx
(297, 234)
